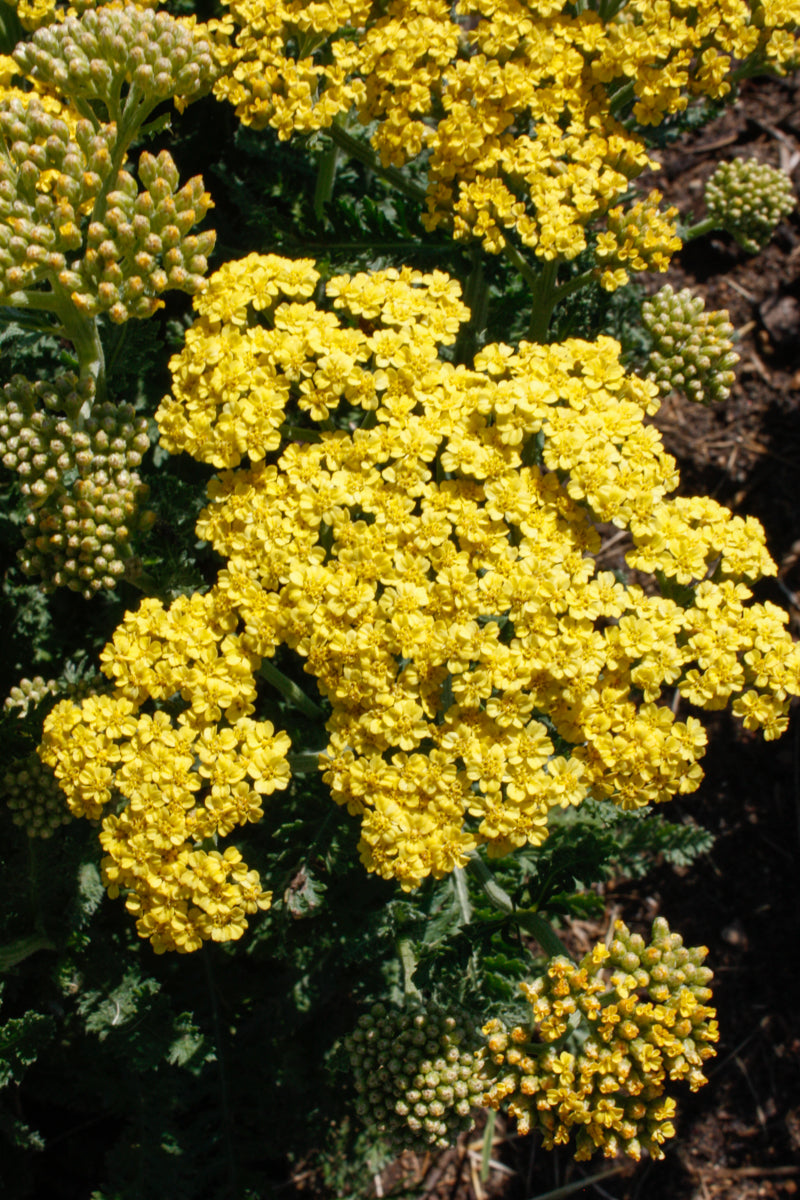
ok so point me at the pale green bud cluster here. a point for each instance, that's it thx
(693, 349)
(137, 244)
(79, 476)
(80, 537)
(48, 180)
(749, 199)
(142, 246)
(418, 1073)
(42, 444)
(100, 54)
(34, 797)
(28, 693)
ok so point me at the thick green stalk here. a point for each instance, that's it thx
(544, 301)
(476, 298)
(326, 174)
(408, 962)
(520, 264)
(16, 952)
(11, 30)
(572, 285)
(700, 229)
(305, 762)
(499, 898)
(608, 9)
(82, 331)
(75, 326)
(488, 1138)
(544, 933)
(364, 154)
(290, 690)
(622, 97)
(134, 114)
(459, 878)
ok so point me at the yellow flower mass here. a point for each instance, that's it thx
(430, 554)
(519, 110)
(197, 767)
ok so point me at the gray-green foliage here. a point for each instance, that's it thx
(22, 1039)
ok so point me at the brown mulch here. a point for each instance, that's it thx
(738, 1138)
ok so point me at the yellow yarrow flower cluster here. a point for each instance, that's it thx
(194, 769)
(604, 1038)
(516, 106)
(431, 559)
(641, 238)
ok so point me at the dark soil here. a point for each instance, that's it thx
(739, 1137)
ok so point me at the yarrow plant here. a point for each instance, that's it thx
(388, 667)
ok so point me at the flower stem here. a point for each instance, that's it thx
(707, 225)
(290, 690)
(499, 898)
(544, 933)
(408, 962)
(459, 878)
(476, 298)
(364, 154)
(573, 285)
(513, 255)
(326, 174)
(544, 301)
(306, 762)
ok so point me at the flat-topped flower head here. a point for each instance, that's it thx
(168, 783)
(429, 554)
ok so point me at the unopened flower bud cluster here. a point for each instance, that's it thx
(136, 245)
(29, 787)
(28, 693)
(96, 55)
(35, 13)
(34, 798)
(604, 1039)
(692, 349)
(749, 199)
(418, 1072)
(79, 476)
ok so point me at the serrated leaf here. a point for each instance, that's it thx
(21, 1039)
(305, 893)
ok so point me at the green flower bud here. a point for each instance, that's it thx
(749, 199)
(34, 797)
(692, 349)
(96, 56)
(425, 1102)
